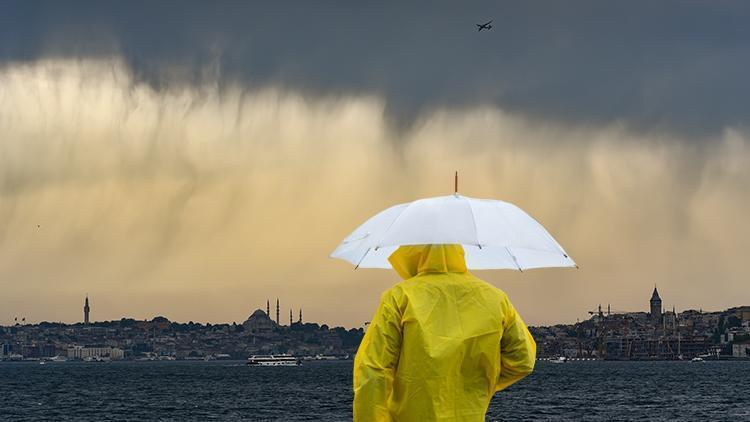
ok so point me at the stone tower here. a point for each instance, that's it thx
(86, 310)
(277, 311)
(655, 307)
(268, 308)
(290, 317)
(300, 315)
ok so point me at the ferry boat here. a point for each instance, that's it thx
(273, 360)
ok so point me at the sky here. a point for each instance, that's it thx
(193, 159)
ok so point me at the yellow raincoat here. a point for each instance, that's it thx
(441, 343)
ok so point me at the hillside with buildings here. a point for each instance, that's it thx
(160, 338)
(657, 334)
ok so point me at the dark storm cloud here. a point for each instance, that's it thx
(676, 66)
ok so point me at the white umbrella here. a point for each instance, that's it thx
(494, 234)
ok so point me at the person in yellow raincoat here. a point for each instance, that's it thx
(441, 343)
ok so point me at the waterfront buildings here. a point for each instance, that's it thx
(605, 335)
(162, 339)
(658, 334)
(741, 350)
(95, 352)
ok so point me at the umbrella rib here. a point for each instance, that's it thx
(377, 245)
(549, 236)
(515, 261)
(363, 258)
(476, 229)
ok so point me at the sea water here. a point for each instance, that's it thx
(321, 391)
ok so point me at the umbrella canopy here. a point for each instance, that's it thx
(494, 234)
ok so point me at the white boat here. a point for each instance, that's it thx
(273, 360)
(697, 359)
(96, 359)
(561, 359)
(325, 357)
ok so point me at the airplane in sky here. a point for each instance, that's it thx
(486, 26)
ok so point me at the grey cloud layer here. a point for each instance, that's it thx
(672, 66)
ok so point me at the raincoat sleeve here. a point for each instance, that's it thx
(517, 350)
(376, 362)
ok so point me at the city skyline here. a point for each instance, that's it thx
(87, 313)
(655, 334)
(655, 302)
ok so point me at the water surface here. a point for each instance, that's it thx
(321, 391)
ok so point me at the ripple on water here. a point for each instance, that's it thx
(321, 391)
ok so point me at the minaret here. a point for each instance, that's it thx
(277, 311)
(86, 310)
(300, 315)
(268, 308)
(290, 316)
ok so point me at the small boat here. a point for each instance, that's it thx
(325, 357)
(96, 359)
(273, 360)
(561, 359)
(697, 359)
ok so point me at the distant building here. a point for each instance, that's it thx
(38, 350)
(743, 313)
(86, 310)
(741, 350)
(259, 324)
(95, 352)
(160, 322)
(669, 319)
(655, 303)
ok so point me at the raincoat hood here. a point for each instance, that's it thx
(409, 261)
